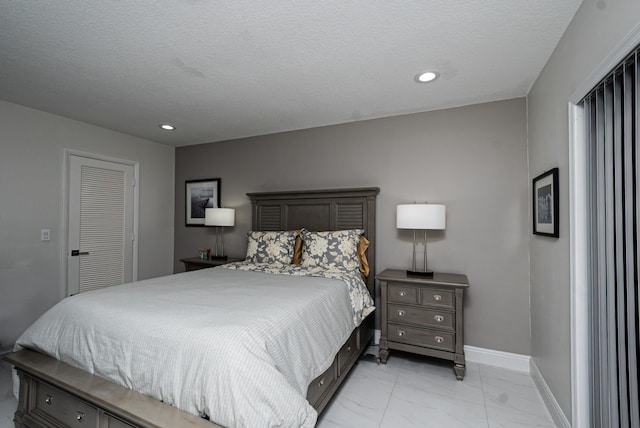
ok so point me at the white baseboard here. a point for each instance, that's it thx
(507, 360)
(549, 399)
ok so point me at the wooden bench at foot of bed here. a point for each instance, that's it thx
(55, 394)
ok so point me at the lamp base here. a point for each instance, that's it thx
(428, 273)
(219, 257)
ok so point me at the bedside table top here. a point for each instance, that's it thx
(439, 278)
(208, 262)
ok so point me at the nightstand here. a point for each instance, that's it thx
(196, 263)
(423, 315)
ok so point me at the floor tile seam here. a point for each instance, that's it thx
(484, 398)
(474, 396)
(386, 407)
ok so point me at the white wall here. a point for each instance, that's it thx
(596, 29)
(473, 159)
(31, 185)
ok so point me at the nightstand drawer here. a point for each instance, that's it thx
(421, 337)
(430, 296)
(421, 316)
(63, 407)
(403, 294)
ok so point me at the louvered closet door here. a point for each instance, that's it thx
(101, 237)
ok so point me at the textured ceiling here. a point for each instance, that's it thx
(221, 70)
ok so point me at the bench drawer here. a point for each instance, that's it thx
(63, 407)
(322, 383)
(348, 351)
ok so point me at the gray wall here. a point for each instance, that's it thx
(31, 184)
(596, 29)
(473, 159)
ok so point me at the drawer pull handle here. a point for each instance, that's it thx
(79, 416)
(437, 297)
(49, 399)
(321, 382)
(439, 339)
(439, 318)
(348, 348)
(401, 313)
(400, 333)
(402, 293)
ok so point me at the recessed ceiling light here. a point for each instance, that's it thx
(168, 127)
(427, 76)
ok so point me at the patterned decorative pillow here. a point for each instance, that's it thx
(270, 247)
(335, 249)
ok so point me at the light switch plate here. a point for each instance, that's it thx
(45, 235)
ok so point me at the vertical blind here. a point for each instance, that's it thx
(611, 129)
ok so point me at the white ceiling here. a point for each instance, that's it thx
(221, 70)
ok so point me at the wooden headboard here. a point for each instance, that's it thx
(320, 210)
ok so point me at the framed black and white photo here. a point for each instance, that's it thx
(200, 195)
(545, 204)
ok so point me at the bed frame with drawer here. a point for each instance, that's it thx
(56, 394)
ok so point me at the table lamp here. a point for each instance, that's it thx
(420, 217)
(219, 217)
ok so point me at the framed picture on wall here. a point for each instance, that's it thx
(545, 204)
(199, 195)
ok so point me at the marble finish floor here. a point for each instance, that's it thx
(413, 391)
(409, 391)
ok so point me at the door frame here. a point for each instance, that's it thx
(64, 241)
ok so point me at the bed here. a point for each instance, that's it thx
(57, 393)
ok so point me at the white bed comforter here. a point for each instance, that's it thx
(240, 347)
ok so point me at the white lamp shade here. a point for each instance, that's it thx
(421, 216)
(219, 217)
